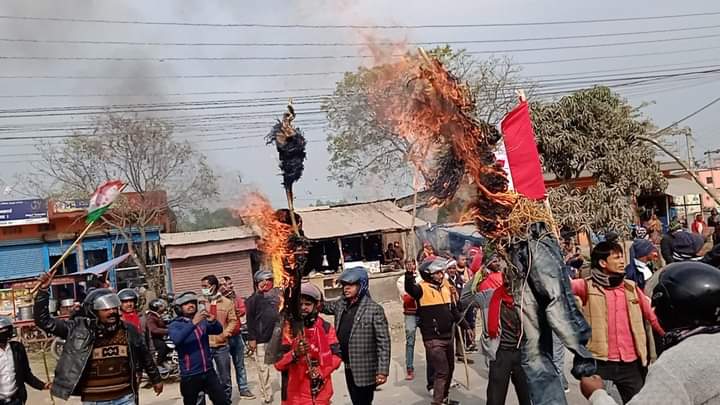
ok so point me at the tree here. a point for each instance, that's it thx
(595, 133)
(361, 148)
(202, 218)
(167, 175)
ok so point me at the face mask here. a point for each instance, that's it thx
(207, 292)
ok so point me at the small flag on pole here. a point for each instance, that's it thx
(102, 198)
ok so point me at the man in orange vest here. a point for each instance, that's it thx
(617, 310)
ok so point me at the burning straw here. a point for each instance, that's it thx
(418, 99)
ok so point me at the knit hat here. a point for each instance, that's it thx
(687, 244)
(642, 247)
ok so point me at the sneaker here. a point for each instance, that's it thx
(410, 375)
(567, 390)
(469, 361)
(246, 394)
(431, 391)
(472, 349)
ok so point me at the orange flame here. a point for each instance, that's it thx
(420, 101)
(256, 211)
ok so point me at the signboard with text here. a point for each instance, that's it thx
(70, 206)
(23, 212)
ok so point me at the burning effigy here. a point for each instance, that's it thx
(418, 99)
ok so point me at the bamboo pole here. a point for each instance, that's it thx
(64, 256)
(47, 372)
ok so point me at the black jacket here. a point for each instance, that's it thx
(79, 335)
(666, 249)
(23, 373)
(262, 311)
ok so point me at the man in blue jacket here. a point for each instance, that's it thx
(189, 331)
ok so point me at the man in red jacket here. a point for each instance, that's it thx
(309, 359)
(128, 307)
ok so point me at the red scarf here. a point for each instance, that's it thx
(499, 296)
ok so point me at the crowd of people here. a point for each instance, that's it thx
(654, 332)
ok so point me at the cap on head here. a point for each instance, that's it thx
(262, 275)
(311, 290)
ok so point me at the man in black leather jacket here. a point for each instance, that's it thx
(101, 357)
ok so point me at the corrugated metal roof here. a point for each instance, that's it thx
(209, 235)
(352, 219)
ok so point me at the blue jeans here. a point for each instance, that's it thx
(128, 399)
(559, 359)
(410, 329)
(237, 352)
(548, 306)
(221, 358)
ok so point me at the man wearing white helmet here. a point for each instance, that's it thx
(102, 355)
(309, 359)
(14, 368)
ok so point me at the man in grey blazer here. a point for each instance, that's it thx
(362, 330)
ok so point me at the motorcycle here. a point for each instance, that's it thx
(172, 361)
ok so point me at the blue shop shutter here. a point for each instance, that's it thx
(94, 244)
(21, 261)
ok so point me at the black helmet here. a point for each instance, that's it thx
(99, 298)
(128, 294)
(157, 305)
(687, 295)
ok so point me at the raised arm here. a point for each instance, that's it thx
(43, 319)
(411, 288)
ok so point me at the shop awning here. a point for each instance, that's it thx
(355, 219)
(680, 186)
(103, 267)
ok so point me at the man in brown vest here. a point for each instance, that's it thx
(617, 310)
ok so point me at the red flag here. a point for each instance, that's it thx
(522, 153)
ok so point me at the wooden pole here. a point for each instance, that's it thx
(47, 372)
(682, 164)
(64, 256)
(342, 255)
(412, 220)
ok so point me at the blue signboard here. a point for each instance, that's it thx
(23, 212)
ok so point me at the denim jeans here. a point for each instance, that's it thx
(559, 360)
(540, 283)
(237, 352)
(128, 399)
(410, 333)
(221, 358)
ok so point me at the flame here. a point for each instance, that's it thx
(256, 211)
(417, 99)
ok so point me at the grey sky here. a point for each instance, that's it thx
(256, 164)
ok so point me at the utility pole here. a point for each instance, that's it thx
(689, 147)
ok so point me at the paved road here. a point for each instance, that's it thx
(396, 392)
